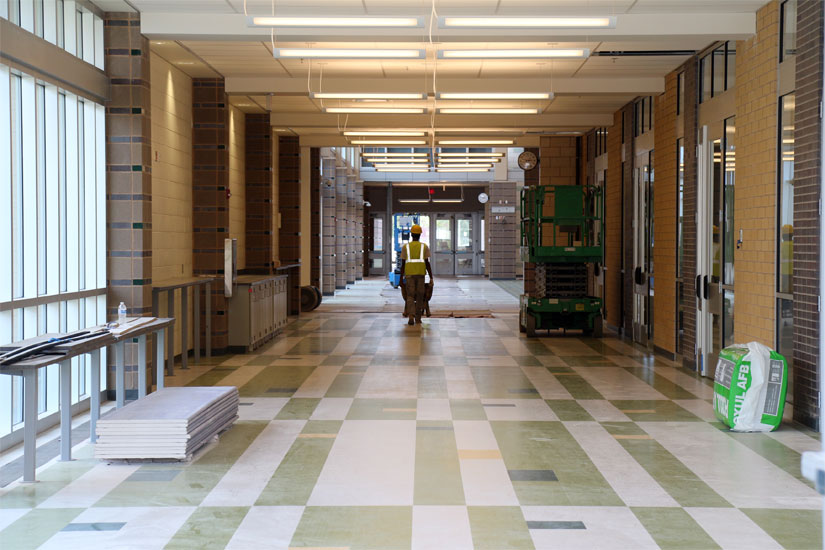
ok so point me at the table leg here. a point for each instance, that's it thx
(196, 295)
(29, 425)
(120, 374)
(141, 366)
(66, 410)
(170, 345)
(209, 319)
(184, 328)
(159, 336)
(95, 397)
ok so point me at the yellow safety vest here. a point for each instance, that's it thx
(415, 266)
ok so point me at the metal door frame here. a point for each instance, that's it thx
(641, 247)
(382, 255)
(704, 254)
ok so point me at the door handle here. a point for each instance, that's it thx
(705, 285)
(637, 275)
(698, 287)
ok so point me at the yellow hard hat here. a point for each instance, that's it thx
(416, 229)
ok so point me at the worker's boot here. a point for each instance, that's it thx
(411, 321)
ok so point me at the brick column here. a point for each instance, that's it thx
(613, 223)
(129, 176)
(664, 207)
(689, 240)
(210, 207)
(340, 227)
(289, 204)
(328, 215)
(627, 206)
(359, 230)
(806, 241)
(351, 248)
(315, 205)
(259, 192)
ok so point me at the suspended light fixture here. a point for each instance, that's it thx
(578, 53)
(334, 53)
(392, 133)
(495, 95)
(487, 111)
(336, 22)
(475, 142)
(376, 110)
(608, 22)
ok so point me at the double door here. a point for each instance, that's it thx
(457, 244)
(715, 243)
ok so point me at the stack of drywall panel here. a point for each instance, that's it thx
(171, 423)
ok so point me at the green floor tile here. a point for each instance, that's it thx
(432, 382)
(346, 385)
(315, 345)
(49, 481)
(298, 408)
(549, 446)
(36, 527)
(355, 527)
(382, 409)
(666, 387)
(467, 409)
(499, 382)
(213, 376)
(296, 475)
(527, 361)
(437, 470)
(568, 410)
(587, 361)
(210, 527)
(499, 528)
(774, 451)
(668, 471)
(578, 387)
(276, 381)
(665, 411)
(195, 480)
(674, 529)
(793, 529)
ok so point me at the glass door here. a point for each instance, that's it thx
(377, 253)
(466, 256)
(444, 250)
(642, 248)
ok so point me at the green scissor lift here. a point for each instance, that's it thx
(561, 233)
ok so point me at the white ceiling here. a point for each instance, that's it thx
(210, 37)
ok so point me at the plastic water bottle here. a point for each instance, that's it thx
(121, 313)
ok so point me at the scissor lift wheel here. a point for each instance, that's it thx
(529, 325)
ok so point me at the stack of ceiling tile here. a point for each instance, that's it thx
(171, 423)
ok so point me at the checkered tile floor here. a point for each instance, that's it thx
(358, 431)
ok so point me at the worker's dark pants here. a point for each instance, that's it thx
(415, 295)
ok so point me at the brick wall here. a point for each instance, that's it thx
(129, 175)
(807, 166)
(259, 191)
(340, 227)
(756, 120)
(690, 120)
(613, 224)
(665, 216)
(210, 208)
(328, 245)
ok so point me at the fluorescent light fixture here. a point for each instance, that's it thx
(448, 200)
(387, 133)
(495, 95)
(470, 154)
(487, 111)
(576, 53)
(468, 160)
(398, 160)
(475, 142)
(475, 165)
(404, 170)
(608, 22)
(387, 142)
(342, 95)
(398, 166)
(414, 200)
(462, 170)
(395, 155)
(309, 21)
(376, 110)
(346, 53)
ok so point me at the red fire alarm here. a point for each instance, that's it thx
(228, 194)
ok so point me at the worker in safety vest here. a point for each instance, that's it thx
(415, 262)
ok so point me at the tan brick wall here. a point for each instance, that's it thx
(756, 119)
(558, 161)
(237, 181)
(172, 177)
(664, 207)
(613, 223)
